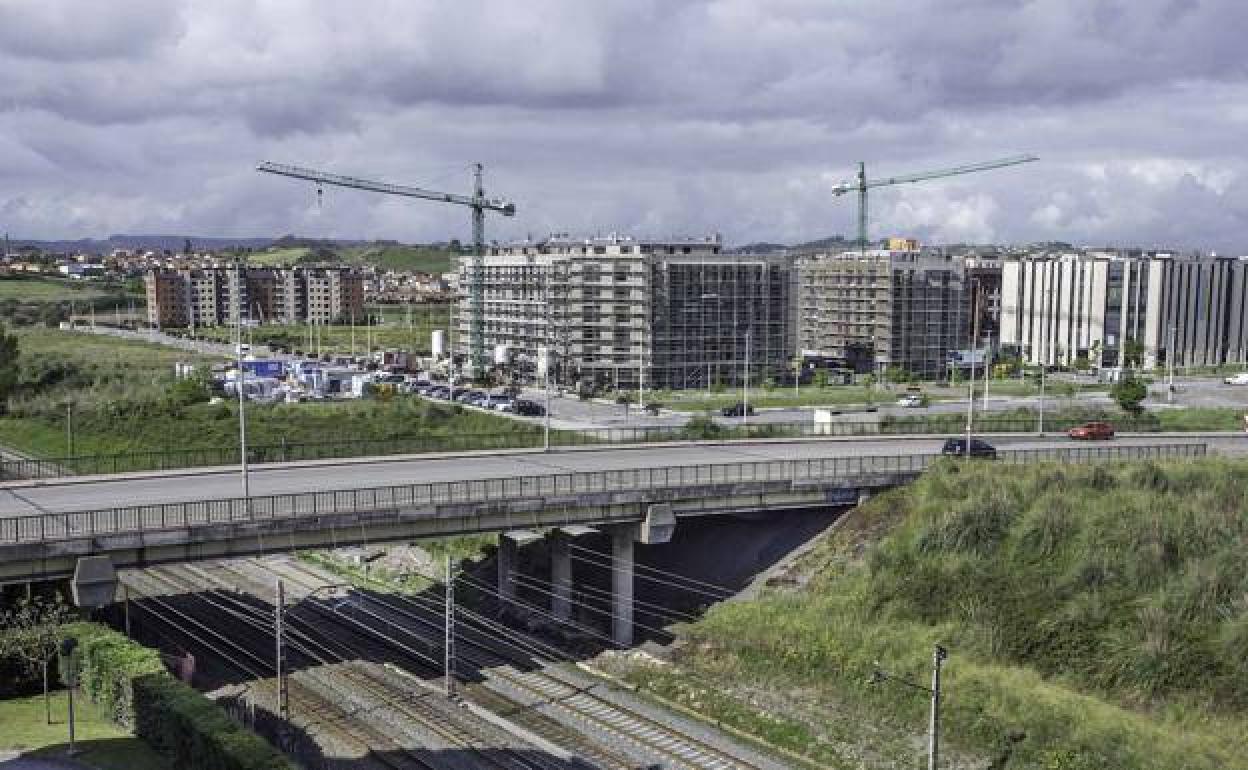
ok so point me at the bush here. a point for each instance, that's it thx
(131, 683)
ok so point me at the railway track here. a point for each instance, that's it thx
(356, 703)
(608, 727)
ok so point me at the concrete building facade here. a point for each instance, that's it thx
(869, 311)
(219, 296)
(622, 312)
(1120, 307)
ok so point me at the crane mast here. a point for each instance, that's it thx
(861, 185)
(477, 202)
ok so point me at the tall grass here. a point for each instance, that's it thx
(1096, 616)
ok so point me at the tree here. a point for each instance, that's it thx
(1132, 352)
(31, 632)
(9, 352)
(1129, 393)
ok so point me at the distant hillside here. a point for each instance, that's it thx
(434, 258)
(142, 242)
(761, 247)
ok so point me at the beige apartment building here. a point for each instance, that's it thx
(220, 296)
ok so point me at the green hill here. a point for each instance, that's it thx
(393, 256)
(1095, 617)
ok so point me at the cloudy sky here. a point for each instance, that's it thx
(654, 117)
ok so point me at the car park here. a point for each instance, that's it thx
(956, 447)
(1092, 431)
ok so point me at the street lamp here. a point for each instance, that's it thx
(939, 655)
(241, 379)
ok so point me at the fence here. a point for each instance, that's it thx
(77, 524)
(175, 459)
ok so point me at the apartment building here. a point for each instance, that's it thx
(622, 312)
(219, 296)
(872, 310)
(1112, 306)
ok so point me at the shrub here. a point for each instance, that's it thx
(131, 683)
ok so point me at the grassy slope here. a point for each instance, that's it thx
(1100, 614)
(401, 257)
(277, 257)
(105, 745)
(120, 384)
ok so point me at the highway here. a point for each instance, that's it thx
(19, 498)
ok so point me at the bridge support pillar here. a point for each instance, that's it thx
(561, 575)
(506, 559)
(623, 538)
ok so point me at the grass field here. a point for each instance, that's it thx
(402, 257)
(23, 727)
(49, 290)
(394, 333)
(1095, 617)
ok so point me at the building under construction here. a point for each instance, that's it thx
(881, 308)
(619, 312)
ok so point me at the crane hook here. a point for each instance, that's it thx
(319, 192)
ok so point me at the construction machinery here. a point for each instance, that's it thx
(477, 202)
(862, 185)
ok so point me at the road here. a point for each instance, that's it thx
(20, 498)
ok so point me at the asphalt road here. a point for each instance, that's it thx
(26, 497)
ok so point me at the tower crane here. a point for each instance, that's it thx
(862, 185)
(477, 202)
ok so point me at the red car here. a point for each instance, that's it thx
(1092, 431)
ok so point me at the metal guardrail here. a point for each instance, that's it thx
(48, 527)
(86, 465)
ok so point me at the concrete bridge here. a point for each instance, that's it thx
(638, 495)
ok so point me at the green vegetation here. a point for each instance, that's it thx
(43, 289)
(1201, 418)
(378, 578)
(1095, 617)
(1129, 393)
(126, 399)
(396, 256)
(103, 744)
(129, 682)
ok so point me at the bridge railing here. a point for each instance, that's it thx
(54, 526)
(174, 459)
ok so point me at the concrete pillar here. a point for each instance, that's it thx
(561, 575)
(506, 559)
(622, 539)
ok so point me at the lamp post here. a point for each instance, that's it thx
(68, 645)
(240, 380)
(939, 654)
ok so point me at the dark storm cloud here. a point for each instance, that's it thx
(645, 115)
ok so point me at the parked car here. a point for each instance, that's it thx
(956, 447)
(468, 396)
(1237, 379)
(910, 401)
(526, 408)
(739, 409)
(1092, 431)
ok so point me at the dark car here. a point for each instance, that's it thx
(739, 409)
(956, 447)
(526, 408)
